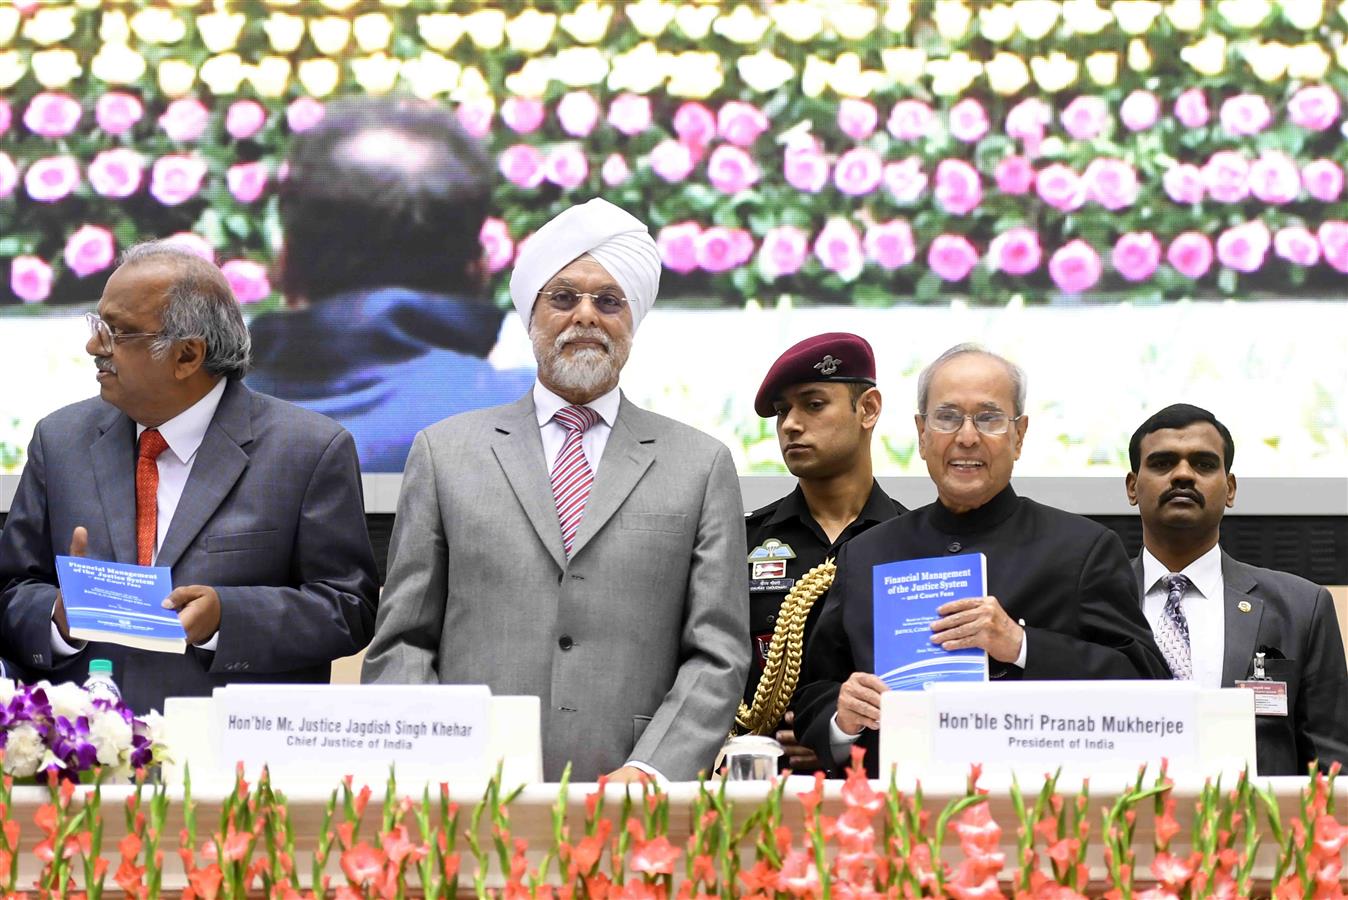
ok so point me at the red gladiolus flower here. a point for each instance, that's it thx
(798, 876)
(236, 845)
(655, 857)
(1173, 871)
(978, 832)
(362, 864)
(1330, 836)
(205, 882)
(761, 878)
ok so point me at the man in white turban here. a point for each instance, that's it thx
(573, 546)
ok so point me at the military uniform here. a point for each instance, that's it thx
(784, 543)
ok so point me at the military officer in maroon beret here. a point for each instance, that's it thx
(822, 394)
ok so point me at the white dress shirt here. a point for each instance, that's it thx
(1203, 608)
(183, 434)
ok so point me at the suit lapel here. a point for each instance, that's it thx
(220, 460)
(114, 463)
(518, 447)
(1242, 628)
(625, 460)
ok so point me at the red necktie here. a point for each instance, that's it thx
(571, 473)
(152, 444)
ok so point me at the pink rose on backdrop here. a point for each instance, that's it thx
(1245, 114)
(1014, 175)
(741, 123)
(959, 189)
(9, 175)
(1140, 110)
(720, 249)
(522, 115)
(30, 278)
(1323, 180)
(497, 247)
(176, 178)
(910, 120)
(1112, 183)
(1026, 122)
(116, 173)
(1243, 247)
(578, 113)
(678, 246)
(858, 172)
(695, 124)
(1075, 267)
(1333, 237)
(1226, 175)
(857, 118)
(630, 114)
(1315, 107)
(475, 115)
(783, 251)
(185, 120)
(245, 118)
(838, 247)
(1136, 255)
(615, 170)
(968, 121)
(1297, 245)
(247, 279)
(117, 112)
(6, 116)
(671, 160)
(731, 170)
(52, 115)
(805, 169)
(952, 257)
(566, 167)
(247, 181)
(90, 249)
(1015, 251)
(193, 243)
(1191, 108)
(522, 165)
(890, 245)
(52, 178)
(1086, 117)
(1274, 178)
(905, 179)
(1060, 187)
(1183, 183)
(304, 113)
(1190, 254)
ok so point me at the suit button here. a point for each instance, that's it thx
(955, 547)
(565, 642)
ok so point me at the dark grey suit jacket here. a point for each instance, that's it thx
(271, 517)
(1293, 622)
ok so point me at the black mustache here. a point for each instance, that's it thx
(1193, 495)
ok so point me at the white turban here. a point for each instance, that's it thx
(614, 237)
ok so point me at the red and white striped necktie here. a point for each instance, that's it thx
(571, 473)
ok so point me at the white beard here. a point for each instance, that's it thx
(587, 371)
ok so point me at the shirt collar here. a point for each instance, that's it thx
(184, 432)
(1205, 573)
(546, 405)
(879, 507)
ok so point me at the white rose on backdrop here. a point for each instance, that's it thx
(23, 751)
(69, 700)
(110, 734)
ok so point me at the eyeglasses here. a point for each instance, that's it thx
(949, 421)
(108, 338)
(565, 300)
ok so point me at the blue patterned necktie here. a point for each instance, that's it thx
(1172, 632)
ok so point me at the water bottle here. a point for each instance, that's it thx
(99, 684)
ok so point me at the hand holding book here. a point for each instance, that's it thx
(981, 623)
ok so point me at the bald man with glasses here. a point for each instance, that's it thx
(1061, 600)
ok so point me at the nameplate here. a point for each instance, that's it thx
(335, 729)
(1103, 723)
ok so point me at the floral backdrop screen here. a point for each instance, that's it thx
(867, 153)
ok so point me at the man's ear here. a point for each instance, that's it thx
(869, 405)
(921, 435)
(1130, 486)
(1230, 490)
(189, 357)
(1022, 425)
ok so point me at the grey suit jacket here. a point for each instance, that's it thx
(1293, 622)
(637, 645)
(271, 517)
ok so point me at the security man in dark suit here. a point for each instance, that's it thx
(1219, 622)
(822, 394)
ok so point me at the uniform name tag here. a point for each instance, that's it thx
(771, 585)
(1270, 697)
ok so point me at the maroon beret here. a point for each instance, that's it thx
(836, 356)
